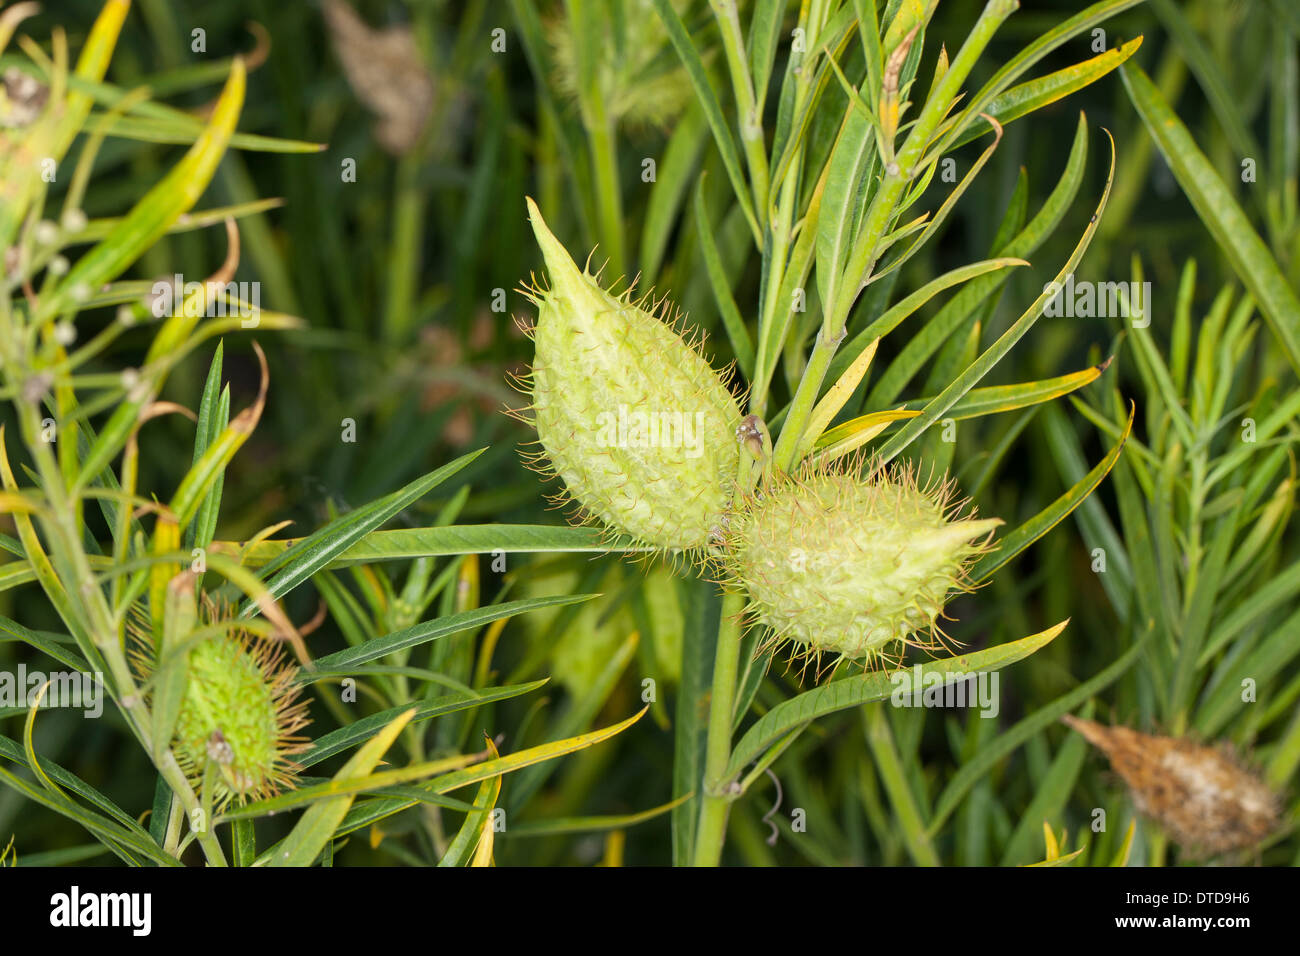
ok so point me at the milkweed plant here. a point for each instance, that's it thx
(751, 402)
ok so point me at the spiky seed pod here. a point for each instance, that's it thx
(628, 413)
(1202, 797)
(856, 561)
(239, 712)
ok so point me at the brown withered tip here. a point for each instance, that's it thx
(1204, 798)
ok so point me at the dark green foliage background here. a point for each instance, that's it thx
(403, 340)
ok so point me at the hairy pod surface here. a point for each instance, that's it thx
(629, 414)
(238, 714)
(851, 563)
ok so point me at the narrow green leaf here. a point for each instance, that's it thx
(764, 36)
(1008, 741)
(895, 315)
(134, 842)
(243, 839)
(669, 191)
(865, 688)
(202, 478)
(708, 101)
(577, 717)
(852, 160)
(461, 849)
(12, 630)
(737, 333)
(404, 543)
(150, 219)
(172, 668)
(1027, 97)
(337, 741)
(1126, 847)
(1227, 107)
(307, 556)
(1050, 799)
(148, 130)
(1009, 72)
(316, 826)
(210, 424)
(374, 810)
(1262, 665)
(1214, 203)
(998, 350)
(553, 827)
(432, 630)
(1012, 544)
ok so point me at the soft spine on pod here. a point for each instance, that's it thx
(857, 561)
(628, 413)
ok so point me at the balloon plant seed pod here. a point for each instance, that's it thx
(628, 413)
(857, 561)
(239, 711)
(239, 714)
(1204, 798)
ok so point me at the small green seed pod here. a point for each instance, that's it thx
(628, 413)
(848, 562)
(238, 714)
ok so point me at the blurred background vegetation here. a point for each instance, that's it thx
(403, 242)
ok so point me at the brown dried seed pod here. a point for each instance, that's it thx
(1202, 797)
(387, 72)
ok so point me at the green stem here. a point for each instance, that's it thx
(404, 260)
(172, 834)
(862, 259)
(781, 227)
(779, 233)
(588, 21)
(805, 398)
(715, 802)
(98, 621)
(609, 202)
(881, 740)
(716, 798)
(751, 126)
(1156, 850)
